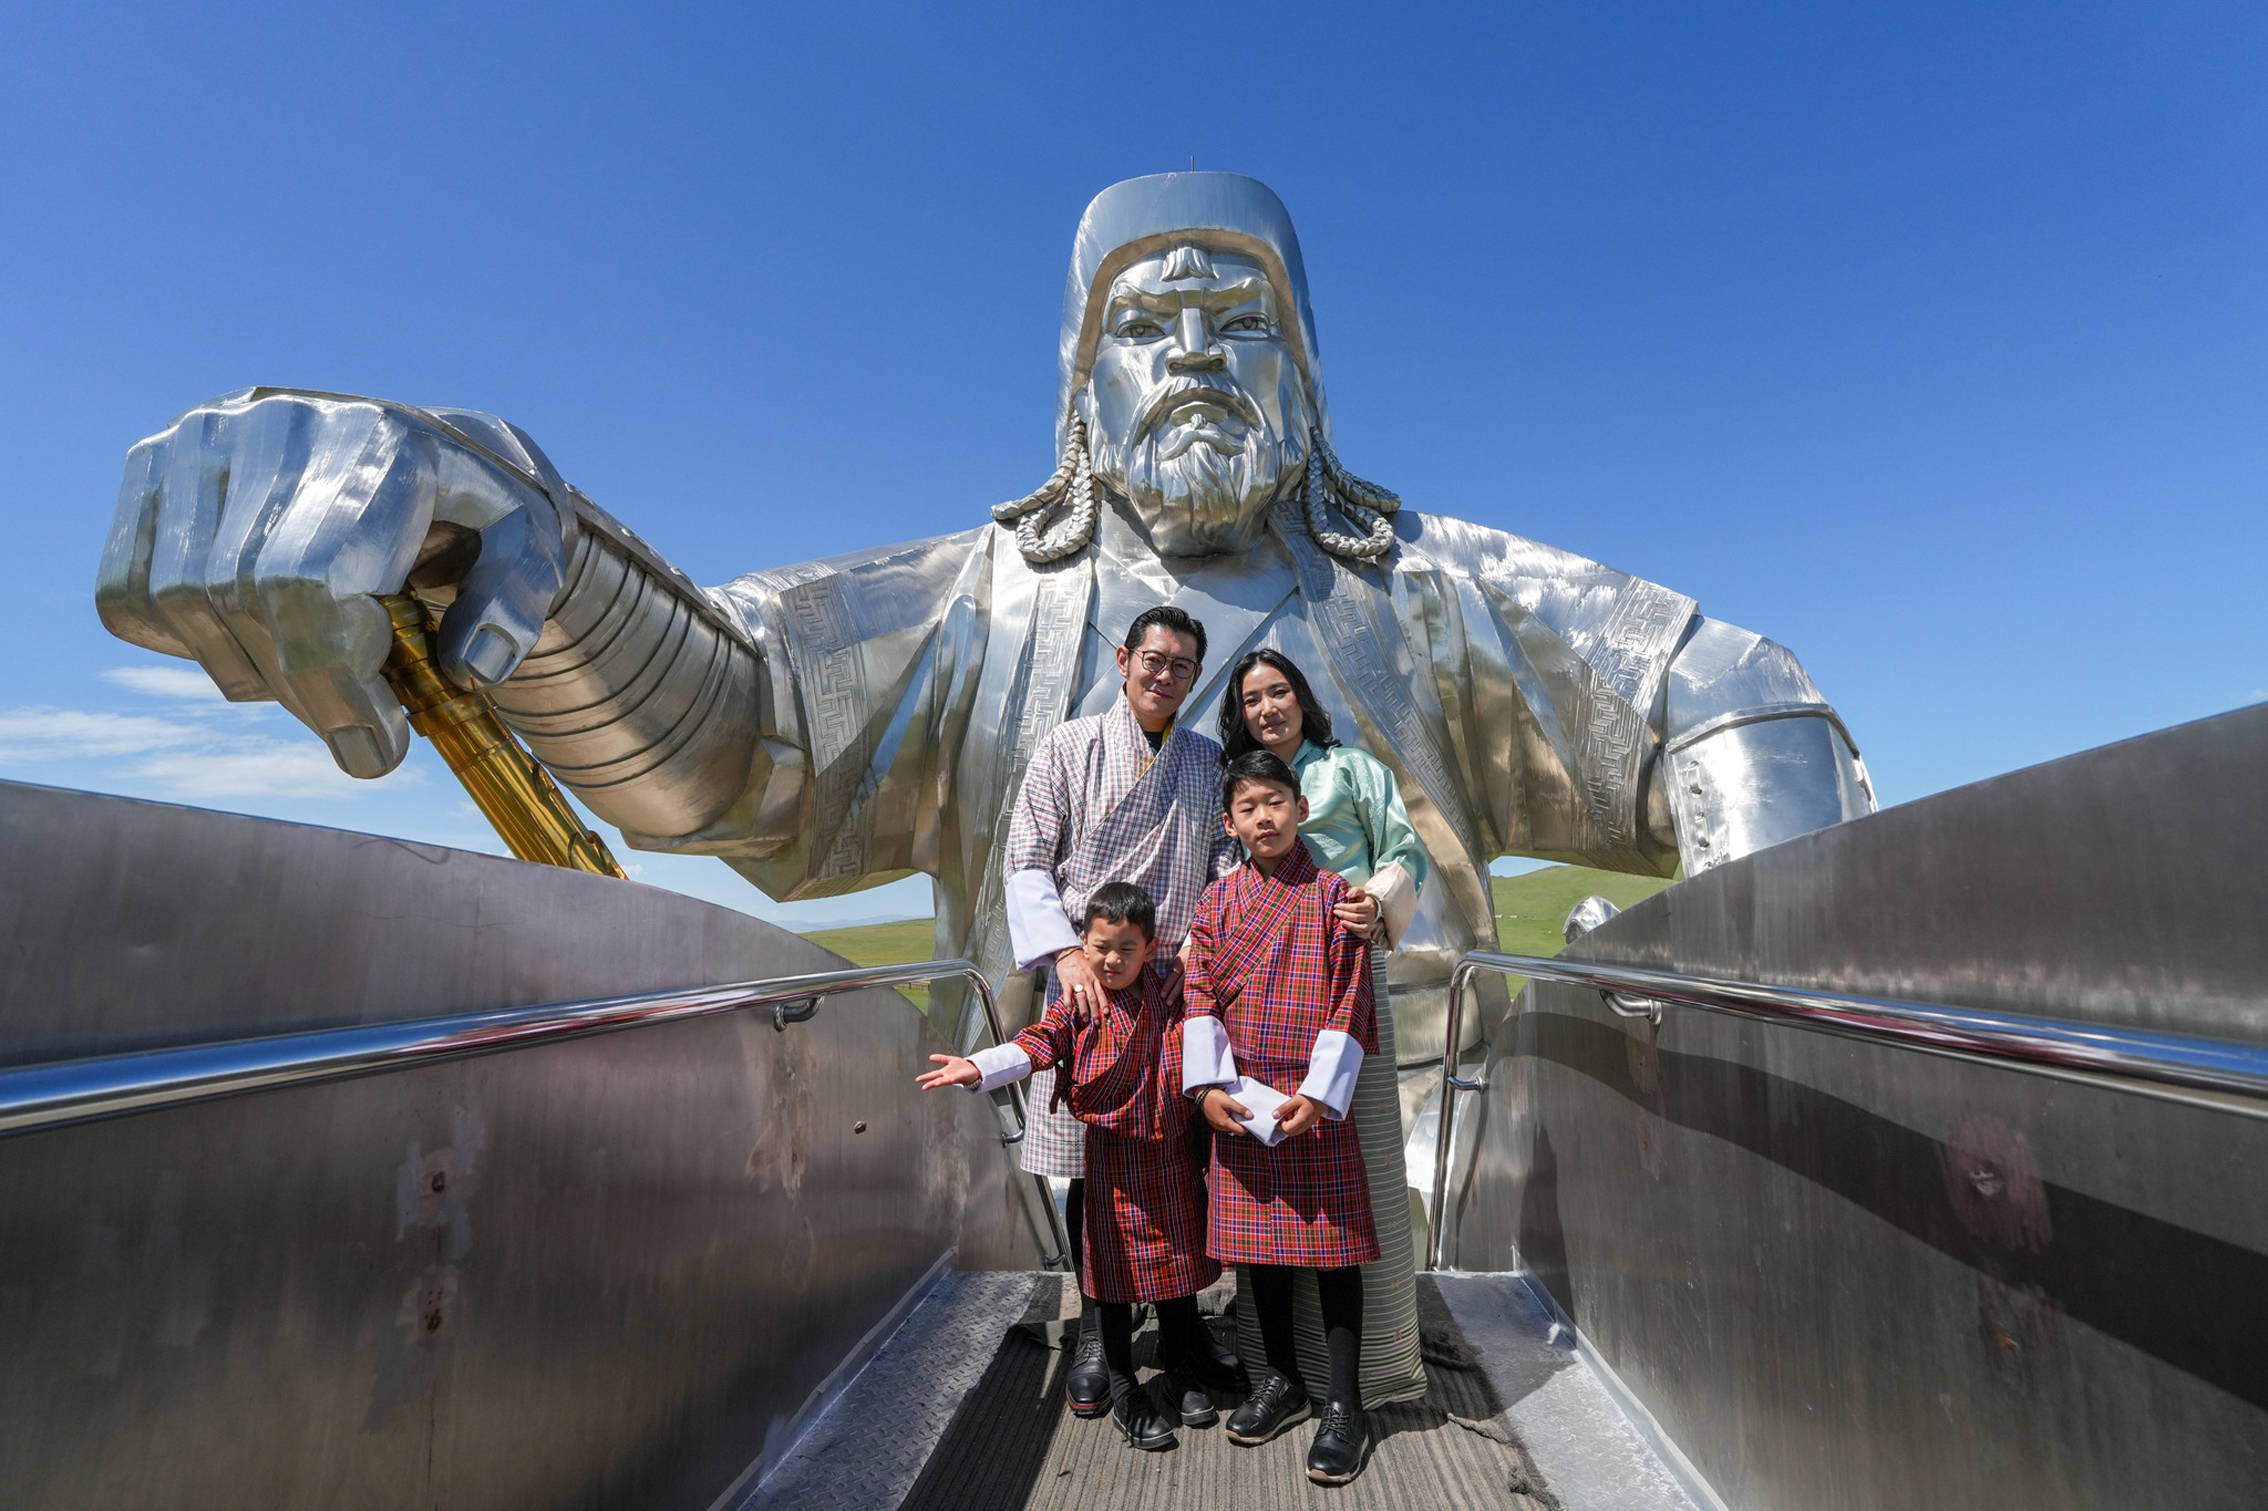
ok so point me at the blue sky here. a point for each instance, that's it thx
(1930, 340)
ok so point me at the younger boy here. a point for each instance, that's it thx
(1279, 995)
(1144, 1235)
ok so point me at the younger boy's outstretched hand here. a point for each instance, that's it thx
(1297, 1115)
(952, 1071)
(1223, 1110)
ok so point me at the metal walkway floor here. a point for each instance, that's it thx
(963, 1407)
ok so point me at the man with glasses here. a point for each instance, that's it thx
(1121, 795)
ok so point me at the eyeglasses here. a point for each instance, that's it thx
(1181, 668)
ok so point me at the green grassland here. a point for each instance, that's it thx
(884, 944)
(1530, 910)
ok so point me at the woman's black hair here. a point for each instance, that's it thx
(1314, 723)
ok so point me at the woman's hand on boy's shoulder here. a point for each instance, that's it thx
(1358, 910)
(952, 1071)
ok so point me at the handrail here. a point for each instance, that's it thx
(57, 1094)
(2219, 1074)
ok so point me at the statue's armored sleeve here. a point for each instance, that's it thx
(643, 695)
(1751, 752)
(851, 682)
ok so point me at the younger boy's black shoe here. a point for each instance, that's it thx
(1197, 1408)
(1087, 1387)
(1277, 1404)
(1337, 1454)
(1138, 1420)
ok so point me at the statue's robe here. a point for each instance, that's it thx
(1513, 688)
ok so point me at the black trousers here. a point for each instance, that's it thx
(1339, 1293)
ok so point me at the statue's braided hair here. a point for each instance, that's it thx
(1057, 519)
(1068, 528)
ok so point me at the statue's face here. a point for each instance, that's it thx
(1196, 411)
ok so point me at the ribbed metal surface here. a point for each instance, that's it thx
(975, 1402)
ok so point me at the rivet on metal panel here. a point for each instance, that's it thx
(859, 1126)
(440, 1181)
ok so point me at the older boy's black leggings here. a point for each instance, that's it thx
(1340, 1293)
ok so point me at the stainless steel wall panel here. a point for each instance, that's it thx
(600, 1273)
(1847, 1276)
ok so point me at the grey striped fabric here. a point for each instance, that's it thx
(1391, 1368)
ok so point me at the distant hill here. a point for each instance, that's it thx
(1530, 911)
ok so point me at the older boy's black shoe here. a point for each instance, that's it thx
(1277, 1404)
(1088, 1384)
(1138, 1419)
(1339, 1444)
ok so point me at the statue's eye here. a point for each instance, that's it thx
(1248, 325)
(1141, 330)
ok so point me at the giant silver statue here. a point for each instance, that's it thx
(829, 726)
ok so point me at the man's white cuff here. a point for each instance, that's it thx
(1205, 1057)
(1331, 1072)
(999, 1065)
(1037, 928)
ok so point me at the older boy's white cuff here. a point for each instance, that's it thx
(999, 1065)
(1036, 925)
(1205, 1057)
(1397, 900)
(1331, 1072)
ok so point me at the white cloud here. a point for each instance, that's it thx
(199, 754)
(252, 766)
(166, 682)
(65, 734)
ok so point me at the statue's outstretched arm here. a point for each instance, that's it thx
(256, 533)
(1751, 753)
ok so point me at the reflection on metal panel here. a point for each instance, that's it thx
(605, 1272)
(1846, 1276)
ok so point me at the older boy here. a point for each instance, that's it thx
(1279, 995)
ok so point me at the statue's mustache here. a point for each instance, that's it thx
(1223, 394)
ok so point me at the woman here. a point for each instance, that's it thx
(1356, 825)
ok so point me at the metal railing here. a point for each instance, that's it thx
(35, 1098)
(2219, 1074)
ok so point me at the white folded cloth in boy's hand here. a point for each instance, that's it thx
(1260, 1102)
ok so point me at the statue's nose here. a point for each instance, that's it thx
(1199, 352)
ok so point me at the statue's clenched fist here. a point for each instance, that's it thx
(256, 533)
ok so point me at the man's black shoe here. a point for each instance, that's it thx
(1139, 1421)
(1216, 1361)
(1197, 1408)
(1088, 1384)
(1277, 1404)
(1339, 1444)
(1213, 1368)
